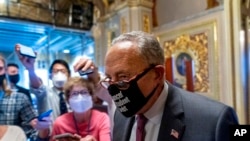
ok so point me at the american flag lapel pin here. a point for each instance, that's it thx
(174, 133)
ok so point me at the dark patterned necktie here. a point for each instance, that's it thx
(140, 131)
(63, 106)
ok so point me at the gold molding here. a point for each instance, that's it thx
(110, 36)
(135, 3)
(195, 46)
(200, 43)
(117, 6)
(123, 25)
(146, 23)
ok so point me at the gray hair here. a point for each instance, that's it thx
(147, 44)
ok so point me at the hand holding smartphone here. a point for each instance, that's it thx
(45, 114)
(27, 51)
(66, 137)
(43, 121)
(88, 71)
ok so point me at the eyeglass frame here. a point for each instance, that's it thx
(81, 92)
(106, 83)
(60, 70)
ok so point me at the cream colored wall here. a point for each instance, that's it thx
(184, 14)
(172, 10)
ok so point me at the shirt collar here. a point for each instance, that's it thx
(56, 90)
(154, 114)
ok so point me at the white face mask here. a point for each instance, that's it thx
(59, 79)
(81, 104)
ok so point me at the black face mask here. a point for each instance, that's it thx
(131, 100)
(2, 77)
(14, 78)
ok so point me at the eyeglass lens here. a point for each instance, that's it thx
(82, 92)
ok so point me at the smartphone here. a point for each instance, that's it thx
(45, 114)
(27, 51)
(64, 135)
(88, 71)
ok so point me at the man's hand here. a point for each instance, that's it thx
(26, 61)
(67, 137)
(85, 64)
(41, 125)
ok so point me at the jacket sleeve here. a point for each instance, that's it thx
(227, 118)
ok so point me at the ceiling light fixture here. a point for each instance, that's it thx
(66, 51)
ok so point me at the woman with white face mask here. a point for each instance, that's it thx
(83, 122)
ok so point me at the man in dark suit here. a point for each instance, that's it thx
(134, 66)
(14, 77)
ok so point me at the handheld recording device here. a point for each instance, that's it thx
(88, 71)
(27, 51)
(64, 135)
(45, 114)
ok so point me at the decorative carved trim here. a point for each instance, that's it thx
(123, 25)
(135, 3)
(118, 5)
(199, 43)
(195, 47)
(146, 24)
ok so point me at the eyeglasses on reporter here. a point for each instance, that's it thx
(60, 70)
(76, 93)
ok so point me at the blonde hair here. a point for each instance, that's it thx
(5, 85)
(73, 81)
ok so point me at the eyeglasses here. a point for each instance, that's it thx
(59, 70)
(82, 92)
(124, 84)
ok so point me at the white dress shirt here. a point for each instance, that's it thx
(154, 115)
(48, 98)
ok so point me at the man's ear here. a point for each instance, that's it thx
(160, 71)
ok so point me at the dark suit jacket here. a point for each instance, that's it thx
(24, 91)
(194, 117)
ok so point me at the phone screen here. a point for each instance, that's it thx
(88, 71)
(27, 51)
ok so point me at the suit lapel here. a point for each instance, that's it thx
(122, 127)
(172, 128)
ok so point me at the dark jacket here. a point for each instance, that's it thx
(194, 117)
(24, 91)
